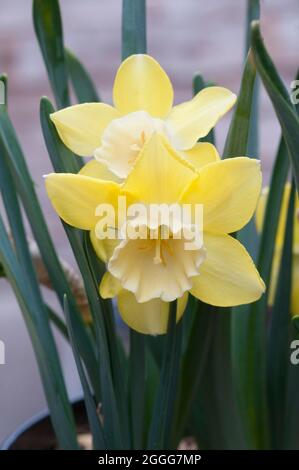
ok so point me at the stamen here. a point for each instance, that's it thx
(136, 147)
(142, 138)
(158, 252)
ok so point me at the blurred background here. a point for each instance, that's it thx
(185, 36)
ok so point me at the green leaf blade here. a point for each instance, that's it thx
(93, 418)
(81, 81)
(48, 29)
(278, 345)
(163, 412)
(133, 27)
(279, 96)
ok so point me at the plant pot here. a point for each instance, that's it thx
(37, 433)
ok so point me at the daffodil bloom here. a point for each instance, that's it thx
(146, 274)
(143, 104)
(279, 244)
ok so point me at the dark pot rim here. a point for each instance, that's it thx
(8, 442)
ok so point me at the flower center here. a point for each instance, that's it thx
(157, 265)
(123, 139)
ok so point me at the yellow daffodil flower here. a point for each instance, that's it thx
(146, 274)
(279, 244)
(143, 104)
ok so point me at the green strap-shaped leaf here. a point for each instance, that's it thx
(137, 387)
(105, 326)
(198, 85)
(236, 144)
(249, 354)
(91, 409)
(25, 187)
(81, 81)
(242, 137)
(164, 407)
(193, 363)
(215, 417)
(103, 382)
(237, 137)
(133, 27)
(63, 160)
(57, 322)
(290, 429)
(278, 345)
(295, 322)
(253, 13)
(48, 30)
(279, 96)
(151, 386)
(21, 278)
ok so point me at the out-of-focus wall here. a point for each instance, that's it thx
(185, 36)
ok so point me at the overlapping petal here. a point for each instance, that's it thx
(160, 175)
(142, 85)
(194, 119)
(80, 127)
(201, 155)
(148, 317)
(110, 286)
(99, 170)
(229, 191)
(103, 247)
(228, 276)
(75, 197)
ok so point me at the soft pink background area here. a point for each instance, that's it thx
(185, 36)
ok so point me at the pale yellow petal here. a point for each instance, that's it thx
(149, 317)
(160, 175)
(75, 197)
(103, 247)
(201, 154)
(194, 119)
(109, 286)
(80, 127)
(99, 170)
(227, 276)
(142, 85)
(229, 191)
